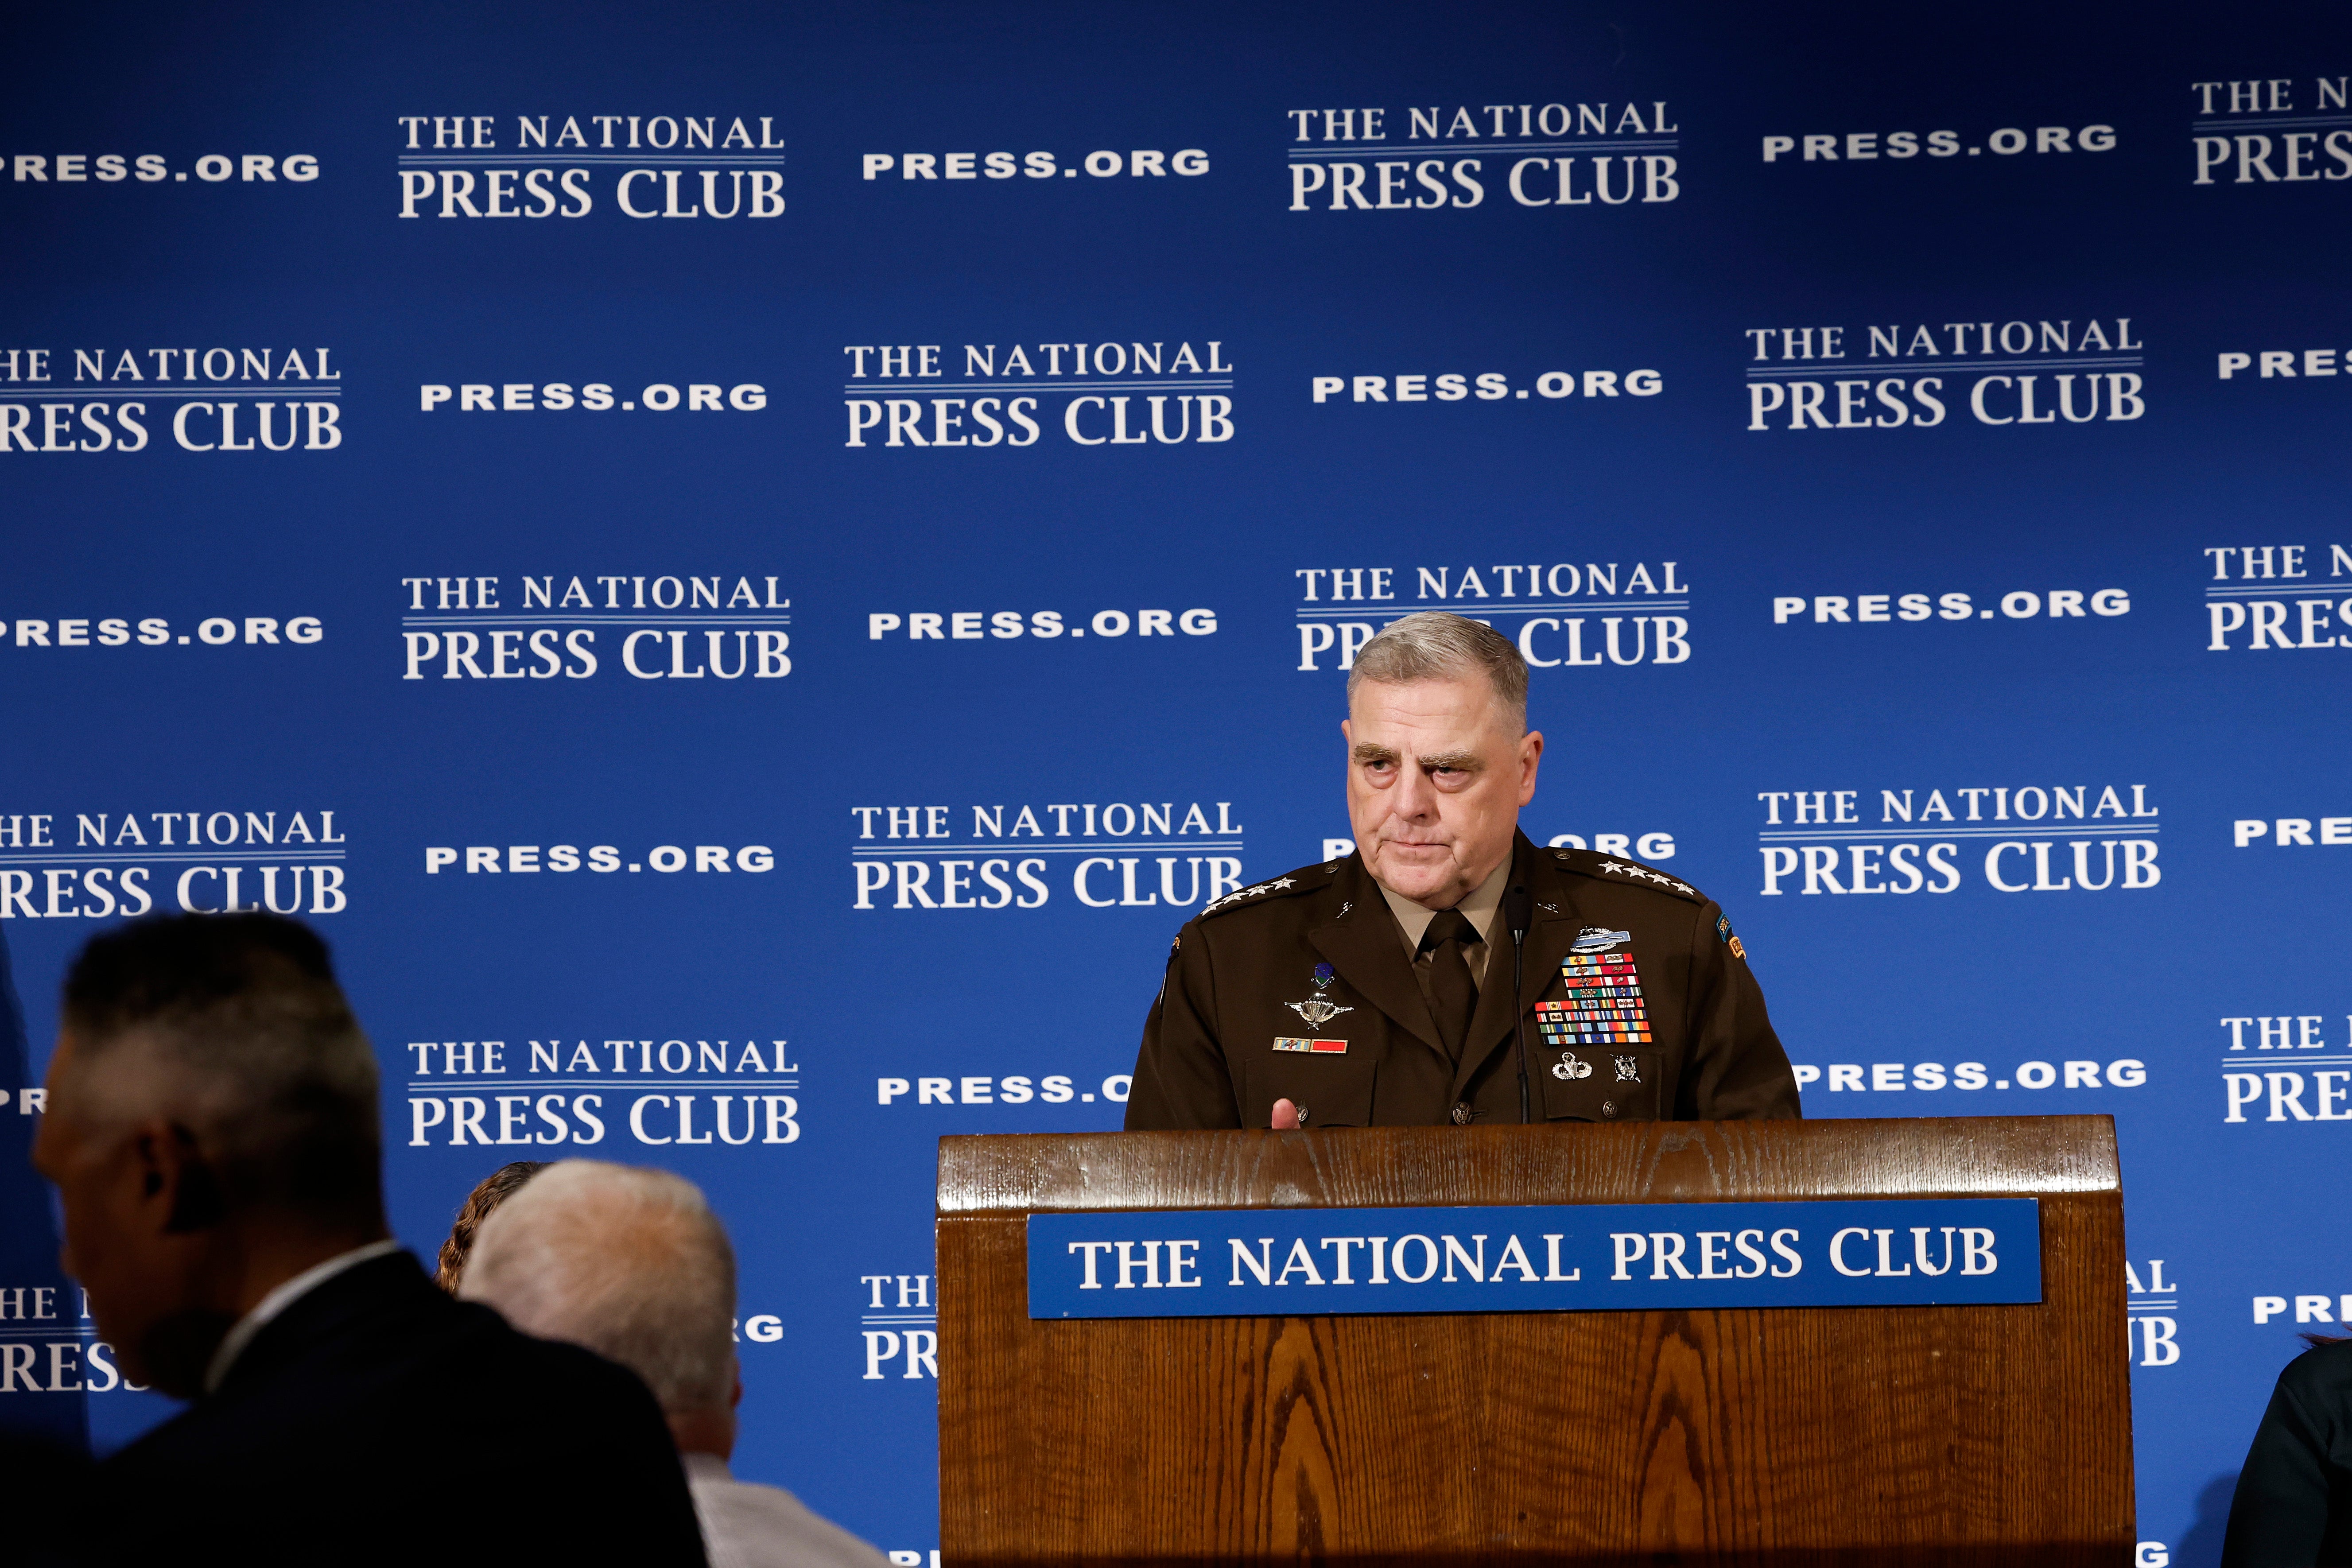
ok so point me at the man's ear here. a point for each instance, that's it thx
(1347, 731)
(1530, 756)
(175, 1179)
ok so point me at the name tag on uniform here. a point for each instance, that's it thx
(1286, 1043)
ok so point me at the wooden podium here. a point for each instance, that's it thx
(1991, 1434)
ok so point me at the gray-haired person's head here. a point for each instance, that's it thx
(626, 1261)
(212, 1104)
(232, 1027)
(1436, 645)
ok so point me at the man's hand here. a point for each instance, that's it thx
(1286, 1116)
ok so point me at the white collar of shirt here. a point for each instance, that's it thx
(1478, 907)
(280, 1299)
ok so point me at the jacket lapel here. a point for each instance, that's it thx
(1549, 936)
(1366, 952)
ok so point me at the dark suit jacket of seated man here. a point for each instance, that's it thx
(212, 1131)
(1318, 999)
(377, 1420)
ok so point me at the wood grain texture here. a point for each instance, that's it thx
(1959, 1435)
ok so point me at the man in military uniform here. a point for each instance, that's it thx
(1377, 989)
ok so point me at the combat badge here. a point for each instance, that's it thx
(1592, 939)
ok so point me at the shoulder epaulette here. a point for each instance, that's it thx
(1290, 884)
(1629, 873)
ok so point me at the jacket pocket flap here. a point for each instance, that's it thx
(1334, 1089)
(1596, 1083)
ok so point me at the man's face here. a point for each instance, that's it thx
(118, 1179)
(1435, 780)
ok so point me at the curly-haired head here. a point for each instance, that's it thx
(494, 1189)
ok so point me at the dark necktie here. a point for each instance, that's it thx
(1452, 996)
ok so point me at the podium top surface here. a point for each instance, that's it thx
(1637, 1162)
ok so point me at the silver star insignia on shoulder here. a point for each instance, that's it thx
(1285, 882)
(1684, 888)
(1622, 870)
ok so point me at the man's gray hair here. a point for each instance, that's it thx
(232, 1027)
(1435, 645)
(627, 1262)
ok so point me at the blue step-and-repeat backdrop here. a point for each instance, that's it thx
(749, 566)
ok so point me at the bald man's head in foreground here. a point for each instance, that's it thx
(632, 1264)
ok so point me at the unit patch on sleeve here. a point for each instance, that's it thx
(1723, 930)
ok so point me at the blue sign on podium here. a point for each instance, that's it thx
(1223, 1263)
